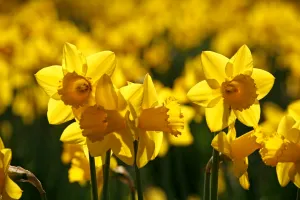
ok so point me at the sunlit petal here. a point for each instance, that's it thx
(101, 63)
(264, 82)
(73, 134)
(49, 79)
(282, 170)
(242, 63)
(203, 95)
(58, 112)
(73, 60)
(219, 116)
(249, 117)
(214, 66)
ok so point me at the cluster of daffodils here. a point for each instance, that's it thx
(107, 117)
(230, 91)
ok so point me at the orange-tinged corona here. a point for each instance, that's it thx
(239, 93)
(75, 90)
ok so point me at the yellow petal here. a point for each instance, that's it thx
(58, 112)
(122, 147)
(242, 63)
(244, 181)
(294, 110)
(185, 139)
(6, 153)
(157, 137)
(1, 144)
(164, 147)
(73, 134)
(100, 147)
(148, 146)
(286, 129)
(150, 98)
(219, 116)
(264, 82)
(12, 189)
(249, 117)
(49, 79)
(221, 144)
(203, 95)
(240, 167)
(106, 95)
(101, 63)
(214, 66)
(282, 170)
(73, 60)
(133, 93)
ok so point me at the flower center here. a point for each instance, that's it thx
(75, 90)
(240, 92)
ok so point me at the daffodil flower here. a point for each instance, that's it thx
(238, 150)
(72, 84)
(282, 150)
(231, 89)
(103, 126)
(9, 190)
(151, 119)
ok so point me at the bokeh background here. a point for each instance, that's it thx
(160, 37)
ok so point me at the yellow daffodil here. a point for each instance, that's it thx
(294, 110)
(71, 85)
(103, 126)
(231, 89)
(151, 119)
(272, 114)
(9, 190)
(238, 150)
(282, 150)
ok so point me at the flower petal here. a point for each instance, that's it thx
(148, 147)
(294, 110)
(58, 112)
(133, 93)
(101, 63)
(219, 116)
(6, 153)
(73, 134)
(12, 190)
(122, 147)
(240, 166)
(249, 117)
(106, 95)
(214, 66)
(164, 147)
(99, 148)
(264, 82)
(282, 170)
(286, 128)
(244, 181)
(150, 98)
(221, 144)
(203, 95)
(73, 60)
(242, 63)
(49, 79)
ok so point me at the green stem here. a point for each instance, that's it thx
(206, 194)
(93, 178)
(214, 176)
(298, 195)
(106, 168)
(138, 182)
